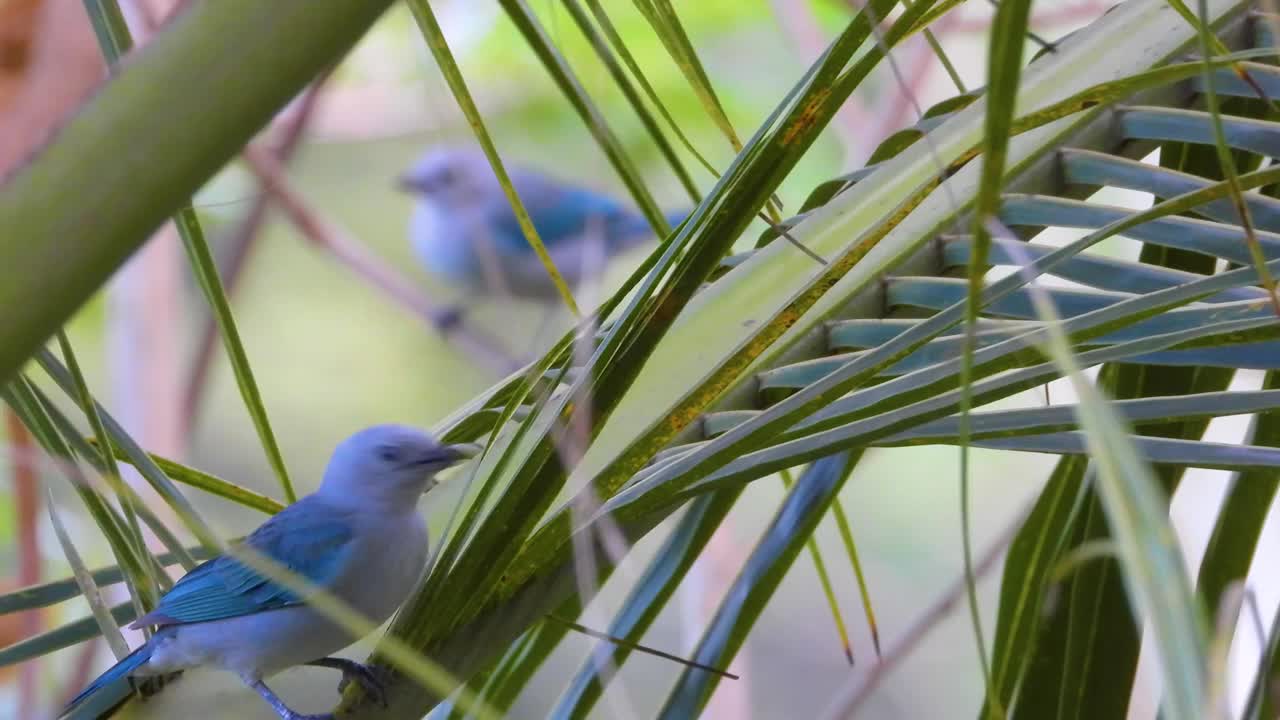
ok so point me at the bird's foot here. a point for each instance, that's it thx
(449, 318)
(371, 679)
(284, 711)
(150, 685)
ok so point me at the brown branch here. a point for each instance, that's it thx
(58, 66)
(17, 35)
(858, 690)
(372, 269)
(242, 241)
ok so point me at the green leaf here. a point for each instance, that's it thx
(136, 457)
(1137, 411)
(824, 579)
(628, 90)
(56, 591)
(1262, 702)
(1233, 541)
(206, 272)
(33, 409)
(851, 549)
(1101, 663)
(666, 24)
(902, 188)
(111, 29)
(651, 592)
(1025, 590)
(764, 569)
(145, 587)
(1094, 270)
(202, 481)
(562, 74)
(516, 668)
(1135, 507)
(88, 588)
(681, 476)
(114, 40)
(1086, 167)
(70, 435)
(628, 343)
(62, 637)
(79, 227)
(449, 67)
(762, 320)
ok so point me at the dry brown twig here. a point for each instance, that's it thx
(61, 64)
(851, 697)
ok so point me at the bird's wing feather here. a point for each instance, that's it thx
(560, 215)
(309, 538)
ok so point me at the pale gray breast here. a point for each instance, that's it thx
(388, 560)
(442, 242)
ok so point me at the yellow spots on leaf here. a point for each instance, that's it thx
(808, 117)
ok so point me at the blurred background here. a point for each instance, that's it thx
(336, 343)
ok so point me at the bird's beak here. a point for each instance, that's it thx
(447, 455)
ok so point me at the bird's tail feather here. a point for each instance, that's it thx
(108, 691)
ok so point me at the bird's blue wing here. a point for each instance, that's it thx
(563, 215)
(308, 538)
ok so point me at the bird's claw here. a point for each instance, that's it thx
(148, 686)
(371, 680)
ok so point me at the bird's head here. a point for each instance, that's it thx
(391, 463)
(452, 177)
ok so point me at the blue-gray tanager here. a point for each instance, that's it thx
(359, 537)
(463, 227)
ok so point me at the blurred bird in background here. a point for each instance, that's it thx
(464, 230)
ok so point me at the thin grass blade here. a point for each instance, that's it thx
(88, 588)
(435, 39)
(114, 40)
(790, 529)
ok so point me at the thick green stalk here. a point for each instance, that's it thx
(175, 114)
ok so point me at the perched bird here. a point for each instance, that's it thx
(358, 537)
(463, 227)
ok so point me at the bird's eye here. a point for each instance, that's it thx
(389, 454)
(445, 176)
